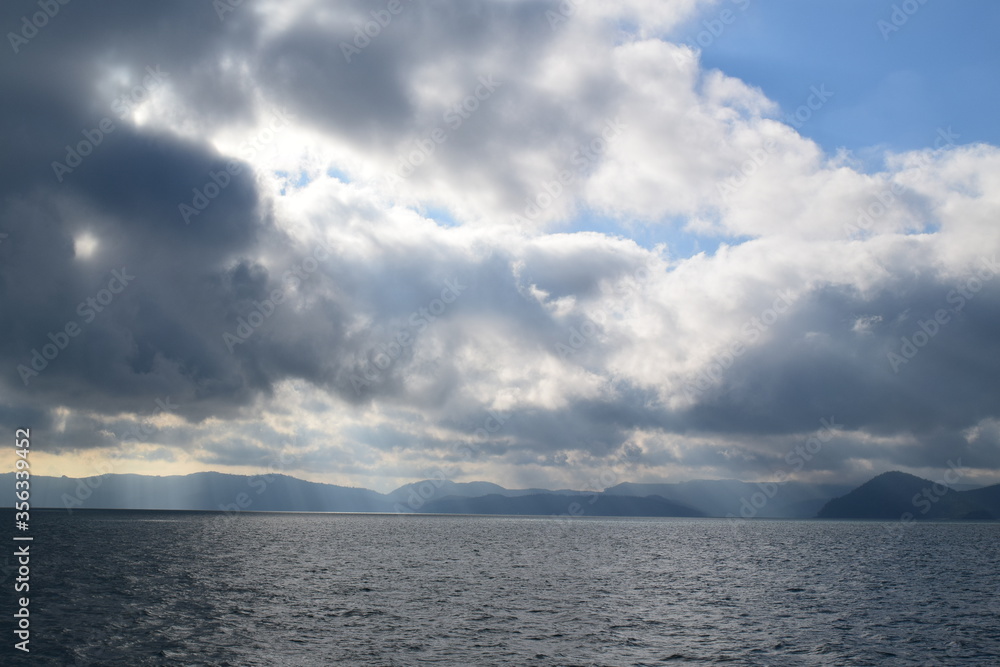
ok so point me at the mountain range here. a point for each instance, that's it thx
(887, 496)
(898, 495)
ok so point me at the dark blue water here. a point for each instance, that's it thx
(172, 588)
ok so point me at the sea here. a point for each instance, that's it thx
(202, 588)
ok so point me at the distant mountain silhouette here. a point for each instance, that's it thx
(594, 504)
(988, 498)
(201, 491)
(893, 495)
(887, 496)
(440, 488)
(268, 493)
(730, 497)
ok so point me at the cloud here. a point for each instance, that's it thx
(391, 267)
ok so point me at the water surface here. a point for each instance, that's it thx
(184, 588)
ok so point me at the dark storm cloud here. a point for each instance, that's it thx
(156, 284)
(59, 71)
(152, 294)
(367, 99)
(160, 336)
(238, 452)
(817, 363)
(171, 286)
(14, 416)
(568, 272)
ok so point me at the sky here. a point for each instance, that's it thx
(542, 244)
